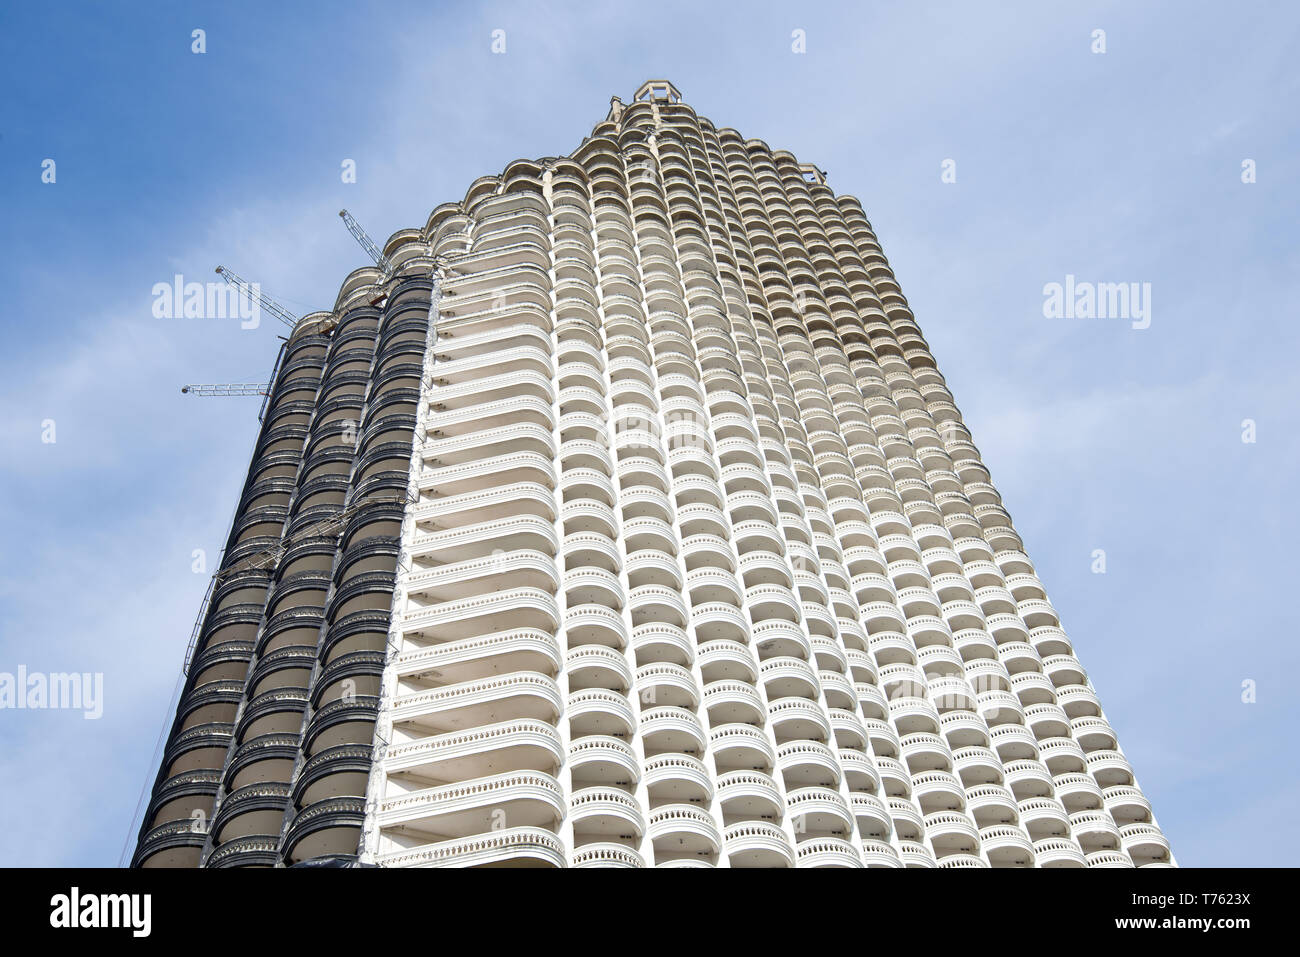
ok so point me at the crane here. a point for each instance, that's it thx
(227, 388)
(368, 244)
(255, 294)
(243, 388)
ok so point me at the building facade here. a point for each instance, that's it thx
(627, 521)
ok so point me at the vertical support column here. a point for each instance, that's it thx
(369, 840)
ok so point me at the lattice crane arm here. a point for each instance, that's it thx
(255, 294)
(366, 243)
(228, 388)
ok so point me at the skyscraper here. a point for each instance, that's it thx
(626, 520)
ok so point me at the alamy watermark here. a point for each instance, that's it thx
(75, 909)
(206, 300)
(57, 691)
(1098, 300)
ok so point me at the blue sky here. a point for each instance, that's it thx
(1115, 167)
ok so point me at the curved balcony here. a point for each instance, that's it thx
(877, 853)
(975, 645)
(241, 619)
(325, 828)
(951, 832)
(795, 719)
(1109, 768)
(718, 621)
(665, 643)
(461, 580)
(510, 847)
(599, 711)
(596, 666)
(670, 730)
(667, 684)
(481, 656)
(335, 772)
(827, 852)
(1077, 792)
(926, 752)
(595, 625)
(172, 844)
(883, 739)
(911, 714)
(525, 798)
(654, 604)
(892, 647)
(679, 779)
(179, 796)
(758, 844)
(1058, 852)
(1044, 817)
(650, 567)
(1095, 831)
(733, 702)
(726, 660)
(605, 813)
(942, 791)
(779, 639)
(250, 811)
(771, 603)
(288, 666)
(603, 760)
(1018, 657)
(515, 745)
(1126, 804)
(606, 855)
(1108, 859)
(1078, 701)
(805, 763)
(468, 617)
(278, 711)
(260, 850)
(750, 795)
(1145, 844)
(197, 747)
(976, 765)
(1094, 734)
(1031, 687)
(940, 661)
(913, 854)
(1048, 722)
(476, 703)
(705, 585)
(683, 831)
(785, 676)
(1012, 742)
(873, 816)
(741, 746)
(269, 757)
(1007, 846)
(819, 812)
(341, 722)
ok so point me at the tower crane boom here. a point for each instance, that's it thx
(368, 244)
(255, 294)
(228, 388)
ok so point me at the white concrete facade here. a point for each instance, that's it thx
(701, 566)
